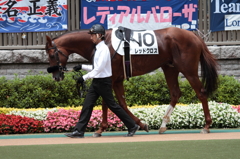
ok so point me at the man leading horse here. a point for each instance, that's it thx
(179, 50)
(101, 72)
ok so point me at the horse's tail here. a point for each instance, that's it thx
(209, 67)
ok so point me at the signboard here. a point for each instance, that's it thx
(32, 15)
(150, 14)
(225, 15)
(143, 42)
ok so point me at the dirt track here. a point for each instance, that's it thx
(109, 139)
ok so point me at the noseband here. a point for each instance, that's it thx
(59, 66)
(62, 69)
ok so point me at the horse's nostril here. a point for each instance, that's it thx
(56, 79)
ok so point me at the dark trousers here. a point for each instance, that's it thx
(101, 87)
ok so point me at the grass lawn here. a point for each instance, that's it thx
(208, 149)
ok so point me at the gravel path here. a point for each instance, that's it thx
(109, 139)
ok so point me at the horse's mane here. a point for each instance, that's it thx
(69, 32)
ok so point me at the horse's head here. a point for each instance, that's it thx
(57, 59)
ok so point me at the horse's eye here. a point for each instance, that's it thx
(51, 56)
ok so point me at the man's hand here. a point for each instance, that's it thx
(80, 80)
(77, 68)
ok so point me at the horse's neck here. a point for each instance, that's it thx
(85, 52)
(81, 46)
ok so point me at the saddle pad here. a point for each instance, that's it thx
(141, 43)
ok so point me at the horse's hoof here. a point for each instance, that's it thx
(162, 130)
(205, 131)
(97, 135)
(146, 128)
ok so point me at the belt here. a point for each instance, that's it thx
(100, 79)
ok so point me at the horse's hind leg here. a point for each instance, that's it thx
(103, 125)
(201, 94)
(120, 95)
(171, 75)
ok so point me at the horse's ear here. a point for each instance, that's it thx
(49, 40)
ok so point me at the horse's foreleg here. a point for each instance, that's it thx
(103, 125)
(120, 95)
(166, 119)
(171, 75)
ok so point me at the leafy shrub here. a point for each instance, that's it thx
(147, 89)
(228, 90)
(40, 91)
(152, 89)
(188, 94)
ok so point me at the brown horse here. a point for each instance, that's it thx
(179, 51)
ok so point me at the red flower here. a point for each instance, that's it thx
(15, 124)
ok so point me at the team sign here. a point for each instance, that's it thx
(225, 15)
(141, 43)
(138, 15)
(32, 15)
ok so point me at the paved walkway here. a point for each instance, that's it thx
(108, 137)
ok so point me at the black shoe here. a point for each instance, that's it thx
(75, 134)
(132, 131)
(68, 134)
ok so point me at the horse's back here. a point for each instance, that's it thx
(180, 36)
(181, 43)
(182, 46)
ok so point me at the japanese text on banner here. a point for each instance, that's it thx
(33, 15)
(150, 14)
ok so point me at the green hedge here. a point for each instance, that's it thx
(152, 89)
(40, 91)
(147, 89)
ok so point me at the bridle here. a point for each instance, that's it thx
(62, 69)
(59, 66)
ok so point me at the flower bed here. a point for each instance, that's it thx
(64, 119)
(15, 124)
(237, 108)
